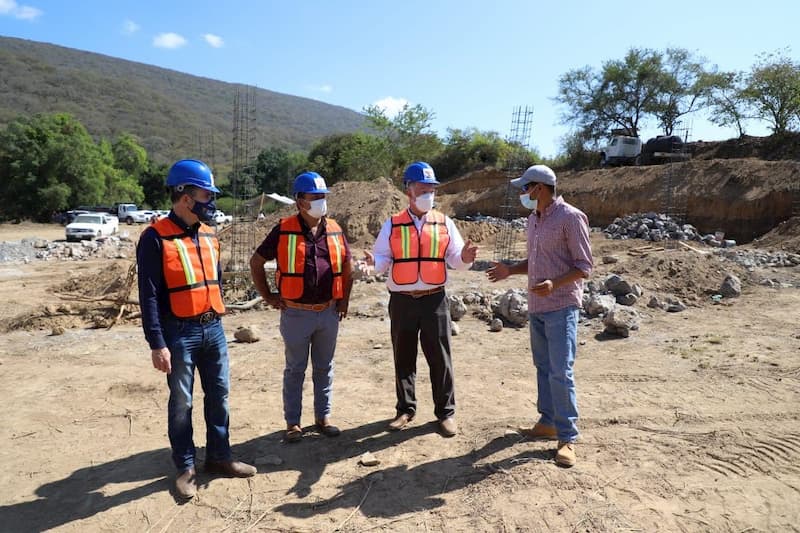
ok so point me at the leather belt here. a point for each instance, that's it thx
(420, 294)
(202, 318)
(309, 307)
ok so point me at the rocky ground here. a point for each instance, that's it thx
(690, 423)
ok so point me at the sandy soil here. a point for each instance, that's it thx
(691, 424)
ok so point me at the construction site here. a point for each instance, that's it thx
(688, 410)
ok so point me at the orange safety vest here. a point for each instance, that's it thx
(190, 270)
(418, 255)
(292, 257)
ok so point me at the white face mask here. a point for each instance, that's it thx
(318, 208)
(525, 200)
(424, 202)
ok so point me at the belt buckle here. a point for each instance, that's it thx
(207, 317)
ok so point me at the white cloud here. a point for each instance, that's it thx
(325, 88)
(10, 7)
(129, 27)
(391, 105)
(169, 40)
(214, 40)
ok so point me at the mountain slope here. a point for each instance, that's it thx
(169, 111)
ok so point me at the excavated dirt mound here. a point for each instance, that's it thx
(774, 147)
(85, 300)
(107, 281)
(688, 275)
(785, 236)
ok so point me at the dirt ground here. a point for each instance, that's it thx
(690, 424)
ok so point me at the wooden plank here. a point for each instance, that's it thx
(692, 248)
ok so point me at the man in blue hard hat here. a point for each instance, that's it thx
(314, 278)
(416, 246)
(180, 294)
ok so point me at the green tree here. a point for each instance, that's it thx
(350, 157)
(121, 184)
(683, 84)
(153, 182)
(773, 90)
(276, 168)
(129, 156)
(468, 150)
(49, 163)
(619, 96)
(725, 100)
(408, 135)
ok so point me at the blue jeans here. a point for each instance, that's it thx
(307, 332)
(554, 342)
(202, 346)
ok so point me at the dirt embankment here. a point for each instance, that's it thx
(745, 198)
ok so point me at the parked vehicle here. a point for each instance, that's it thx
(91, 226)
(130, 213)
(621, 150)
(67, 216)
(627, 150)
(222, 218)
(663, 149)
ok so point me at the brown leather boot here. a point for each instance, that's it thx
(186, 484)
(230, 468)
(448, 426)
(540, 432)
(400, 422)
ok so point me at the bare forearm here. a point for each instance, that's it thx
(520, 267)
(259, 276)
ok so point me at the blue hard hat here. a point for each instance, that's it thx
(310, 182)
(419, 172)
(191, 172)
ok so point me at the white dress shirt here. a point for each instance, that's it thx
(382, 252)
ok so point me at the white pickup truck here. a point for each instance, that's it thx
(131, 214)
(221, 218)
(91, 226)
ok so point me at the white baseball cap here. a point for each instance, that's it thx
(535, 174)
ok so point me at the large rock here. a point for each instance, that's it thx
(621, 321)
(731, 287)
(627, 299)
(246, 334)
(457, 307)
(599, 304)
(512, 307)
(618, 286)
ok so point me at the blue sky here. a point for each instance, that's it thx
(469, 62)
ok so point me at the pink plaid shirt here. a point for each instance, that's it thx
(558, 241)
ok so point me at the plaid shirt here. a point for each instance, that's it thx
(558, 241)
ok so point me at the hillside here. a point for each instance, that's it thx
(167, 110)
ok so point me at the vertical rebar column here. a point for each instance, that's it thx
(672, 205)
(243, 187)
(519, 138)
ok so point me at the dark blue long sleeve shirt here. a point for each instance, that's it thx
(153, 295)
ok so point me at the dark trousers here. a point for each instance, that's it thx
(426, 319)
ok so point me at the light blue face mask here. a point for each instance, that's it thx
(527, 203)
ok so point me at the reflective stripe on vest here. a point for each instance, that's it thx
(190, 270)
(292, 257)
(419, 256)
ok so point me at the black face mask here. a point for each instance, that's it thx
(204, 210)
